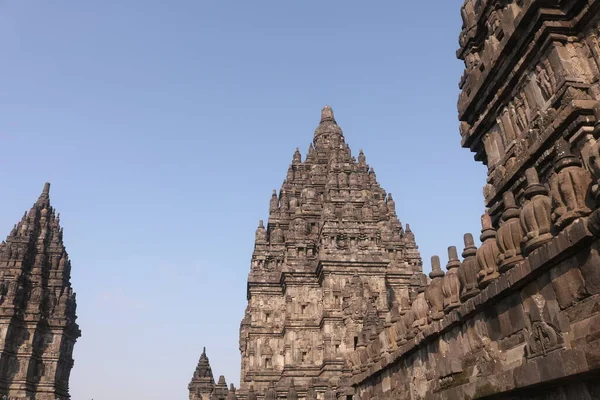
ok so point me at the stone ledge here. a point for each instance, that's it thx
(559, 248)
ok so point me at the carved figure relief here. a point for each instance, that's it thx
(545, 79)
(542, 338)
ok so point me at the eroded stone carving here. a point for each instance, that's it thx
(509, 235)
(569, 187)
(468, 270)
(451, 282)
(487, 254)
(433, 293)
(536, 213)
(36, 292)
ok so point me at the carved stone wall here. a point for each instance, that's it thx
(37, 308)
(525, 322)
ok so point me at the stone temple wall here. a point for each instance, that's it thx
(518, 318)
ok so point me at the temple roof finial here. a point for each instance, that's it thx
(327, 114)
(44, 198)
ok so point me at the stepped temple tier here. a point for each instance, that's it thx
(37, 308)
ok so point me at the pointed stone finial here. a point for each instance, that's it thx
(450, 282)
(436, 268)
(297, 157)
(570, 187)
(391, 203)
(44, 198)
(562, 149)
(274, 202)
(327, 114)
(532, 176)
(362, 160)
(487, 254)
(509, 234)
(536, 215)
(486, 223)
(433, 292)
(468, 270)
(261, 233)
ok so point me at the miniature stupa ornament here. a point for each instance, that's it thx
(327, 114)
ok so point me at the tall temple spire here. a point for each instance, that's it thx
(331, 220)
(38, 307)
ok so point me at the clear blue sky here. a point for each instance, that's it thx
(164, 126)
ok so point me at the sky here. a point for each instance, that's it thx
(164, 127)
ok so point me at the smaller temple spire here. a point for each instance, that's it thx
(297, 159)
(203, 383)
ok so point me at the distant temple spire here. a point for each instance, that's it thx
(39, 306)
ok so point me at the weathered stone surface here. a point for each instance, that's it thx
(331, 268)
(487, 254)
(468, 270)
(528, 108)
(509, 235)
(336, 295)
(203, 386)
(38, 327)
(536, 213)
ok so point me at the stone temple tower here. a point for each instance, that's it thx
(332, 267)
(37, 308)
(202, 385)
